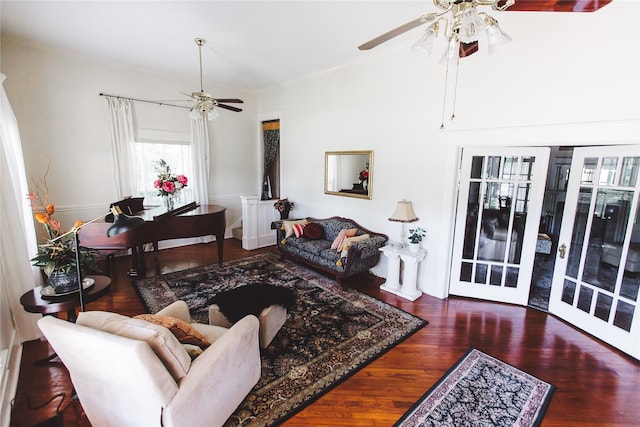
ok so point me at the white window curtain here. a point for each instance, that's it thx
(122, 134)
(18, 243)
(200, 152)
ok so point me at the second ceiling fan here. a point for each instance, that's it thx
(205, 103)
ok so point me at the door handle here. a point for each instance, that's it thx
(562, 250)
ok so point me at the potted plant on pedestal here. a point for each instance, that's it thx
(415, 237)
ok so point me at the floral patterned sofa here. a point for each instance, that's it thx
(356, 253)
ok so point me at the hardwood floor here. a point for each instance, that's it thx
(596, 384)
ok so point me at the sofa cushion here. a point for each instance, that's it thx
(212, 333)
(184, 332)
(163, 343)
(329, 254)
(313, 231)
(288, 227)
(192, 350)
(343, 234)
(311, 246)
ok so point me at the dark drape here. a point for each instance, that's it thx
(271, 140)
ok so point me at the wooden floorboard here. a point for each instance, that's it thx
(596, 384)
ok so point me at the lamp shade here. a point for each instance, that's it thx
(404, 212)
(123, 223)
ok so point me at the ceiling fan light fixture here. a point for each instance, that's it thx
(424, 45)
(452, 52)
(471, 23)
(212, 114)
(495, 36)
(204, 106)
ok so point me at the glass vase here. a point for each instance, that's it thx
(169, 202)
(62, 282)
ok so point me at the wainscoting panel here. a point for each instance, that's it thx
(257, 216)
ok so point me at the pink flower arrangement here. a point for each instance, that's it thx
(168, 183)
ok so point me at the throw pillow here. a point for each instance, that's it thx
(184, 332)
(288, 226)
(163, 343)
(313, 231)
(346, 244)
(343, 234)
(298, 229)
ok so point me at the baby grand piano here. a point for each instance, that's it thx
(190, 220)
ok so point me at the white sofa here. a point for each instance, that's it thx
(138, 374)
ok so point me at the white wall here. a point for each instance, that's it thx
(566, 79)
(55, 96)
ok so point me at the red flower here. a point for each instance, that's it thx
(157, 183)
(182, 179)
(169, 186)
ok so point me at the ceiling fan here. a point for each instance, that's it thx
(205, 103)
(463, 23)
(458, 7)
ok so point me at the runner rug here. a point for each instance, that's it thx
(481, 391)
(329, 334)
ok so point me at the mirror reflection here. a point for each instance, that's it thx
(348, 173)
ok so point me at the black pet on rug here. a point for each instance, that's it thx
(252, 299)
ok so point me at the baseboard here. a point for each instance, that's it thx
(10, 369)
(251, 243)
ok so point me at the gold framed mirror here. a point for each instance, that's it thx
(348, 173)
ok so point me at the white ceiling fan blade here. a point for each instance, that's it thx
(397, 31)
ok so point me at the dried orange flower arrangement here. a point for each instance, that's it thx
(56, 256)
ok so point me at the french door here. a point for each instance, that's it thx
(597, 271)
(500, 198)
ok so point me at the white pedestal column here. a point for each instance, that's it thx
(408, 288)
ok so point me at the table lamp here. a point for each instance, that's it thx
(404, 213)
(121, 224)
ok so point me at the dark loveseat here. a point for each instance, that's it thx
(359, 257)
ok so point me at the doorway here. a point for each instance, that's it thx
(570, 247)
(550, 219)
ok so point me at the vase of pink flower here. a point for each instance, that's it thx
(168, 184)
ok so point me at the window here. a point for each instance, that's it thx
(153, 145)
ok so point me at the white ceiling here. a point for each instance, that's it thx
(250, 44)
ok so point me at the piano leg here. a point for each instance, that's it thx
(137, 261)
(220, 243)
(155, 250)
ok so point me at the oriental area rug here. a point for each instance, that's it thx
(481, 390)
(329, 334)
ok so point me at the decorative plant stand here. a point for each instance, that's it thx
(407, 287)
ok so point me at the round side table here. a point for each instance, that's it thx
(33, 302)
